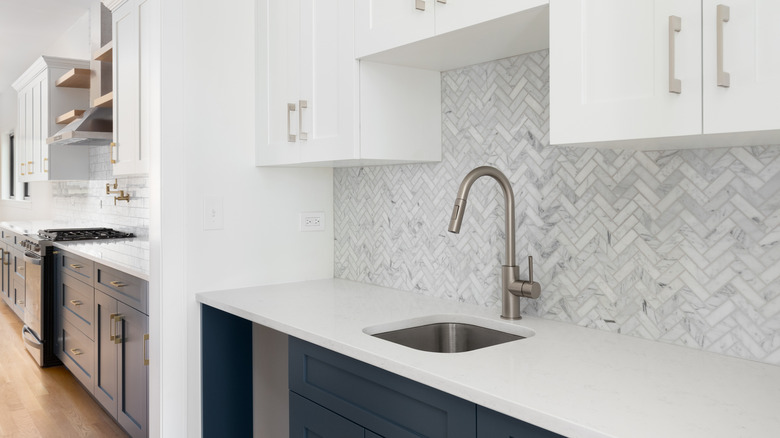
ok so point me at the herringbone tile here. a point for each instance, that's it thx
(676, 246)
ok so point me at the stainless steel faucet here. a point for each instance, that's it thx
(511, 288)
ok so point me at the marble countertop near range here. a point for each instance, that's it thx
(575, 381)
(127, 255)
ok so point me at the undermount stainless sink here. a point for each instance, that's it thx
(449, 333)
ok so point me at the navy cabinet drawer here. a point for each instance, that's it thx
(383, 402)
(77, 304)
(130, 290)
(77, 353)
(309, 419)
(77, 267)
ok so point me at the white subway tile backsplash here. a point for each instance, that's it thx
(87, 201)
(678, 246)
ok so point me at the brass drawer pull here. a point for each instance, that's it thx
(75, 266)
(110, 326)
(117, 338)
(76, 302)
(118, 284)
(146, 357)
(76, 351)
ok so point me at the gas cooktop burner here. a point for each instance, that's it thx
(65, 234)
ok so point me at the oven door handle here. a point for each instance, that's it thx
(30, 338)
(31, 257)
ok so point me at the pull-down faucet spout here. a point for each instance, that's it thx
(512, 288)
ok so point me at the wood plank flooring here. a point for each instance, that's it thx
(43, 402)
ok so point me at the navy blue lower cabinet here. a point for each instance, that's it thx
(492, 424)
(385, 403)
(308, 419)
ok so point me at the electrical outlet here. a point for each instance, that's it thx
(312, 221)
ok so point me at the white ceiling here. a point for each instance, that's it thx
(28, 27)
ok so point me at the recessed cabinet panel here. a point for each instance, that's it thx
(126, 103)
(457, 14)
(751, 57)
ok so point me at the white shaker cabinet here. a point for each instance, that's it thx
(386, 24)
(750, 53)
(644, 73)
(318, 106)
(39, 103)
(135, 31)
(610, 69)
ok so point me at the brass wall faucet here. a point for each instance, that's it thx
(122, 196)
(511, 288)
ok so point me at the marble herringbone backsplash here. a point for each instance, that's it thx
(677, 246)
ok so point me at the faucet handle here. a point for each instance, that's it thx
(531, 269)
(530, 288)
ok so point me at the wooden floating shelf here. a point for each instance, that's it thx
(74, 78)
(104, 53)
(104, 101)
(69, 117)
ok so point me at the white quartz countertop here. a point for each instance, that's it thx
(127, 255)
(575, 381)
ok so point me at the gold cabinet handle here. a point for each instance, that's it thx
(76, 302)
(146, 357)
(30, 168)
(6, 253)
(45, 167)
(76, 351)
(75, 266)
(110, 326)
(117, 339)
(117, 284)
(21, 168)
(112, 145)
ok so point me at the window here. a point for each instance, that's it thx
(12, 188)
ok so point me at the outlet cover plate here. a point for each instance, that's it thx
(312, 221)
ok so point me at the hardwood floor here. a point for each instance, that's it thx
(43, 402)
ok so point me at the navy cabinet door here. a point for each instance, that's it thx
(491, 424)
(310, 420)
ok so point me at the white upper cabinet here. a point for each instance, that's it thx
(310, 98)
(40, 102)
(643, 73)
(135, 31)
(446, 34)
(750, 53)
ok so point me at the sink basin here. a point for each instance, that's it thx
(449, 333)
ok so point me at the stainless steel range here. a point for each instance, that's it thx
(40, 283)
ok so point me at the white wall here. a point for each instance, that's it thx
(207, 149)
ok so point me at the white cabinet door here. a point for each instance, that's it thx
(21, 138)
(39, 131)
(307, 86)
(751, 58)
(135, 39)
(610, 70)
(457, 14)
(384, 24)
(328, 84)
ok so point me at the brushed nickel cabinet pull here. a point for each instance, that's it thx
(675, 24)
(301, 105)
(419, 5)
(442, 1)
(723, 15)
(290, 135)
